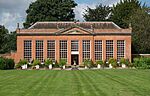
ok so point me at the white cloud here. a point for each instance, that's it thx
(13, 11)
(80, 9)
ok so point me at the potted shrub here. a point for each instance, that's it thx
(123, 62)
(48, 63)
(112, 63)
(87, 63)
(36, 64)
(22, 64)
(62, 63)
(99, 63)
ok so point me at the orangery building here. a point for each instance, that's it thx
(73, 41)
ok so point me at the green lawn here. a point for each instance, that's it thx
(75, 83)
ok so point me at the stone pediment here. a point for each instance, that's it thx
(74, 30)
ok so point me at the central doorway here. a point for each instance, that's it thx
(74, 58)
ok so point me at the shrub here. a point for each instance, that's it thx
(125, 61)
(128, 63)
(105, 64)
(36, 62)
(122, 61)
(100, 62)
(9, 63)
(113, 62)
(142, 63)
(88, 63)
(62, 62)
(6, 63)
(48, 62)
(2, 64)
(56, 65)
(21, 62)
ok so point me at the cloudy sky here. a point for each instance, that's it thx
(13, 11)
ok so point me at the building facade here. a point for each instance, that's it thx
(73, 41)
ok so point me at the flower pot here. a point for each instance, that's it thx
(86, 67)
(123, 66)
(24, 66)
(110, 66)
(37, 66)
(64, 67)
(50, 66)
(98, 66)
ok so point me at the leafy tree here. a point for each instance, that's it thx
(7, 40)
(12, 41)
(123, 10)
(3, 39)
(141, 31)
(100, 13)
(50, 10)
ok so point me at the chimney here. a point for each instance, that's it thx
(92, 28)
(17, 25)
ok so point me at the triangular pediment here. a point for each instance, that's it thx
(74, 31)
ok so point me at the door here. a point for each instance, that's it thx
(74, 59)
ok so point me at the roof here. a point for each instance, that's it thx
(74, 28)
(64, 25)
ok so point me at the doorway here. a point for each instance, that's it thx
(75, 58)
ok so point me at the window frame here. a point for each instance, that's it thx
(39, 52)
(28, 50)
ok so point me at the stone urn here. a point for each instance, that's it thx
(86, 67)
(37, 67)
(24, 66)
(123, 65)
(64, 67)
(110, 66)
(50, 66)
(98, 66)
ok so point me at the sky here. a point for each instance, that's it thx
(13, 11)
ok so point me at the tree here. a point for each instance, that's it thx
(50, 10)
(123, 10)
(3, 39)
(140, 31)
(100, 13)
(7, 40)
(12, 41)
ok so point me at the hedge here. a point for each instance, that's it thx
(6, 63)
(142, 63)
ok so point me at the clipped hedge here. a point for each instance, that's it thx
(142, 63)
(6, 63)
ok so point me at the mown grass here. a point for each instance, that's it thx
(75, 83)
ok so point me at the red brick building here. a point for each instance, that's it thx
(73, 41)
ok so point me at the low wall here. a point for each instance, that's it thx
(11, 55)
(140, 55)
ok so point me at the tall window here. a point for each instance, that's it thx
(63, 49)
(74, 45)
(120, 49)
(86, 49)
(98, 49)
(28, 50)
(51, 49)
(39, 50)
(109, 49)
